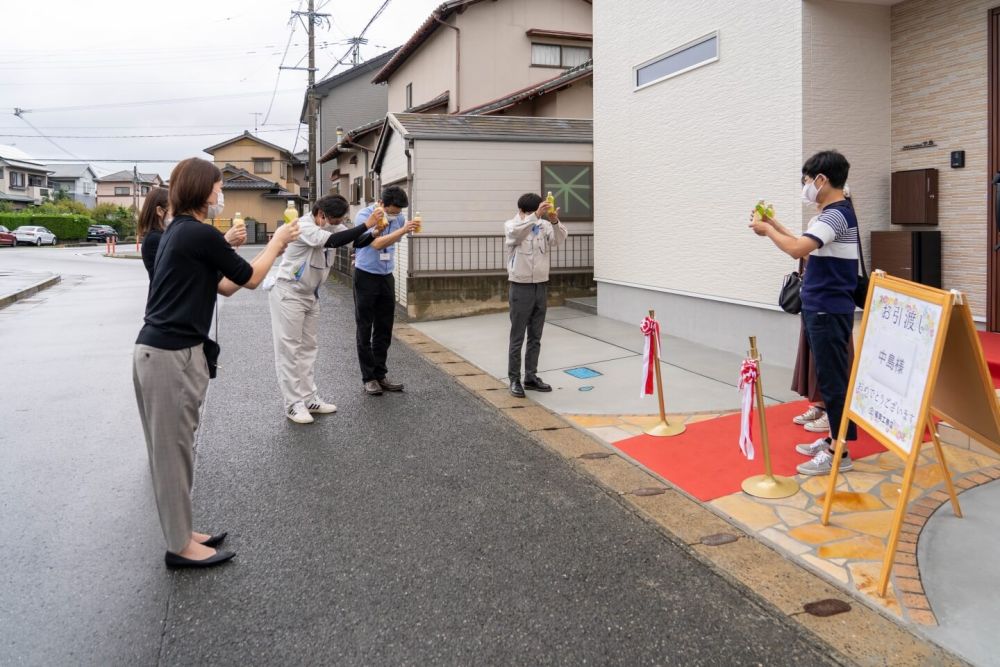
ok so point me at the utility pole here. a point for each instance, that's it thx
(256, 117)
(135, 194)
(312, 19)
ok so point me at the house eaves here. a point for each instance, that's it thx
(27, 166)
(246, 135)
(564, 80)
(440, 100)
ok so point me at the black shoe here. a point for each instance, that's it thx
(215, 540)
(389, 385)
(172, 560)
(516, 389)
(536, 384)
(373, 388)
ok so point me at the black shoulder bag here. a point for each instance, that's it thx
(861, 291)
(789, 298)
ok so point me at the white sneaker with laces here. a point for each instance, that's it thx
(821, 425)
(812, 414)
(814, 448)
(299, 414)
(317, 405)
(822, 464)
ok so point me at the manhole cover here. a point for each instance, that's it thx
(595, 455)
(718, 539)
(649, 491)
(824, 608)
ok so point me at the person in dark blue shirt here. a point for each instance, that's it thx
(832, 243)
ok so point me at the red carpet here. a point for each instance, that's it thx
(706, 462)
(991, 350)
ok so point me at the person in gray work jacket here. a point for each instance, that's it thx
(530, 237)
(294, 299)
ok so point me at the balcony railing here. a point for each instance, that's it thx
(479, 255)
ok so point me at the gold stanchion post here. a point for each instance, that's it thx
(664, 429)
(767, 485)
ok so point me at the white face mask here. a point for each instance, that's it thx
(810, 193)
(215, 210)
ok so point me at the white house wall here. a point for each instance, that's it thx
(394, 162)
(683, 161)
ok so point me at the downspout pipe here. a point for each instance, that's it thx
(458, 61)
(409, 152)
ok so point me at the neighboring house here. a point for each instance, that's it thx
(259, 178)
(470, 54)
(346, 100)
(464, 175)
(23, 180)
(349, 164)
(126, 188)
(78, 181)
(701, 111)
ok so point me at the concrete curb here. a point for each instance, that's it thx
(863, 636)
(29, 291)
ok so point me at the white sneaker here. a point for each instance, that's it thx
(821, 425)
(814, 448)
(299, 414)
(317, 405)
(822, 464)
(812, 414)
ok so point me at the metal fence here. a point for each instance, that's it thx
(480, 255)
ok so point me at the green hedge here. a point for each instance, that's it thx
(65, 227)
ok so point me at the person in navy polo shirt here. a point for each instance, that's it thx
(375, 289)
(832, 242)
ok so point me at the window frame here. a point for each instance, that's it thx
(667, 54)
(127, 189)
(409, 95)
(18, 180)
(589, 48)
(590, 179)
(262, 160)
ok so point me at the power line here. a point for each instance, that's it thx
(277, 79)
(175, 100)
(357, 41)
(19, 113)
(134, 136)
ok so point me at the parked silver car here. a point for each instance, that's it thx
(34, 236)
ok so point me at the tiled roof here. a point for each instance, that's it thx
(564, 80)
(70, 170)
(246, 135)
(350, 136)
(127, 176)
(440, 100)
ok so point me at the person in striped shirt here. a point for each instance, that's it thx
(832, 244)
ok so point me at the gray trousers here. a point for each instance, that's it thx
(528, 303)
(170, 386)
(294, 325)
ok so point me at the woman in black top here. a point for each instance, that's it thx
(170, 366)
(152, 222)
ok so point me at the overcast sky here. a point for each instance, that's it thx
(70, 53)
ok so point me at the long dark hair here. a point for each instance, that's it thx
(149, 219)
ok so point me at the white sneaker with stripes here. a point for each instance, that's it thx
(298, 413)
(318, 406)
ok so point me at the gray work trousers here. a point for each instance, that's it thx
(528, 303)
(170, 386)
(294, 326)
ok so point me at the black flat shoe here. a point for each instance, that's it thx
(536, 384)
(172, 560)
(516, 390)
(215, 540)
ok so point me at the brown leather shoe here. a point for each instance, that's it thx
(373, 388)
(389, 385)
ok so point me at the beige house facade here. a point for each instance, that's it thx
(472, 52)
(126, 188)
(23, 180)
(691, 109)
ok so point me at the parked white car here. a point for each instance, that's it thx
(34, 236)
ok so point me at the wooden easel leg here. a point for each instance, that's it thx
(831, 486)
(897, 523)
(939, 450)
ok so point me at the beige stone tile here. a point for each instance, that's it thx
(610, 434)
(501, 398)
(747, 512)
(461, 368)
(479, 382)
(798, 501)
(682, 516)
(784, 542)
(794, 517)
(962, 460)
(618, 474)
(979, 448)
(952, 436)
(864, 547)
(876, 524)
(849, 501)
(593, 421)
(816, 486)
(928, 475)
(829, 568)
(865, 577)
(863, 482)
(534, 418)
(631, 429)
(645, 421)
(444, 357)
(694, 419)
(817, 533)
(569, 442)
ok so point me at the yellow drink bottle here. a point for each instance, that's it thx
(238, 220)
(419, 219)
(384, 220)
(552, 202)
(291, 213)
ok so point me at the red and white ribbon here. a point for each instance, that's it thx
(749, 372)
(651, 330)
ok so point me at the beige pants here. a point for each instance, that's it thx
(170, 386)
(294, 324)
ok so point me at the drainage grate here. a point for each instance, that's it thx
(583, 373)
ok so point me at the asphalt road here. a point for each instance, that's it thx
(415, 528)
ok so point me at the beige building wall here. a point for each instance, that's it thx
(106, 194)
(495, 52)
(940, 91)
(242, 153)
(577, 101)
(251, 204)
(846, 84)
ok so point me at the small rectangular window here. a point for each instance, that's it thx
(546, 55)
(36, 181)
(409, 96)
(122, 191)
(262, 165)
(574, 56)
(145, 190)
(16, 179)
(1, 173)
(700, 52)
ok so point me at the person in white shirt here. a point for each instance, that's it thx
(530, 237)
(294, 300)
